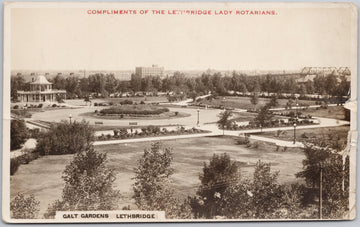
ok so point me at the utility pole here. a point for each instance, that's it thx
(294, 133)
(320, 193)
(198, 117)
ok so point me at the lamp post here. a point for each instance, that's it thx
(260, 128)
(294, 133)
(70, 116)
(198, 117)
(297, 109)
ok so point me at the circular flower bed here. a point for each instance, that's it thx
(134, 110)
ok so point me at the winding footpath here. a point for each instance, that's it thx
(211, 127)
(215, 131)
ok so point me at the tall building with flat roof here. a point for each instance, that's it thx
(154, 70)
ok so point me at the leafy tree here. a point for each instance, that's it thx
(157, 83)
(292, 204)
(264, 116)
(59, 98)
(290, 85)
(266, 84)
(273, 102)
(335, 180)
(88, 184)
(123, 86)
(342, 89)
(216, 177)
(135, 82)
(72, 87)
(59, 82)
(219, 84)
(302, 90)
(331, 84)
(309, 87)
(311, 164)
(18, 134)
(84, 87)
(320, 84)
(17, 83)
(259, 198)
(66, 138)
(267, 193)
(146, 84)
(193, 96)
(22, 207)
(224, 119)
(152, 189)
(289, 103)
(237, 200)
(254, 99)
(111, 83)
(87, 99)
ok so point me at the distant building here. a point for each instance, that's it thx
(40, 91)
(154, 70)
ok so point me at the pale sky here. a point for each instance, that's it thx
(71, 39)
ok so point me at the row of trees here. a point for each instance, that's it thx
(223, 192)
(216, 83)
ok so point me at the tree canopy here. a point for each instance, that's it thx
(18, 134)
(224, 119)
(88, 184)
(23, 207)
(152, 187)
(215, 178)
(66, 138)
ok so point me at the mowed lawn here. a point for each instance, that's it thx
(42, 177)
(336, 112)
(312, 134)
(245, 103)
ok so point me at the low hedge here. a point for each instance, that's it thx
(22, 159)
(134, 111)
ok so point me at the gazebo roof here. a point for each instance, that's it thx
(41, 80)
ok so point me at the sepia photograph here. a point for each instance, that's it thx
(179, 112)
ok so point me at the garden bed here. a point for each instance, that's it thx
(148, 131)
(133, 110)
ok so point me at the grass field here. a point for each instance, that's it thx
(313, 134)
(244, 102)
(336, 112)
(42, 177)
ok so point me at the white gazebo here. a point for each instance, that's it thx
(40, 91)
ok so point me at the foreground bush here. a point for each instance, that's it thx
(22, 207)
(66, 138)
(18, 134)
